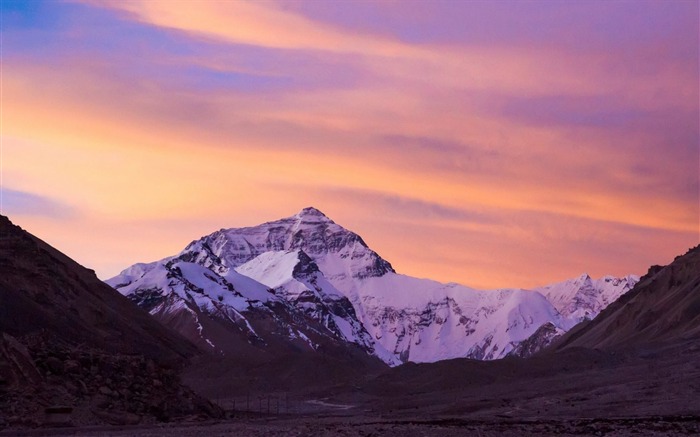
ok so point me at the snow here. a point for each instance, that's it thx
(308, 340)
(199, 327)
(248, 287)
(398, 290)
(584, 298)
(132, 273)
(346, 328)
(274, 269)
(425, 321)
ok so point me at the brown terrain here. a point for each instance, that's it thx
(634, 370)
(70, 343)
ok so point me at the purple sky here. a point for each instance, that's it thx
(488, 143)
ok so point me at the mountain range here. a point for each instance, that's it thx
(308, 284)
(70, 342)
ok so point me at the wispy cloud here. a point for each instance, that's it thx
(488, 119)
(20, 203)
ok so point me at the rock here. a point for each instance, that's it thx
(18, 366)
(118, 417)
(105, 390)
(54, 365)
(71, 366)
(102, 401)
(72, 388)
(58, 415)
(83, 387)
(151, 366)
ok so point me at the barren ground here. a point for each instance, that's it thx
(648, 393)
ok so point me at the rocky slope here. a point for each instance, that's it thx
(663, 308)
(68, 339)
(313, 281)
(43, 290)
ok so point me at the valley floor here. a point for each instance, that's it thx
(650, 392)
(304, 426)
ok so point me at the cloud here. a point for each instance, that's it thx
(175, 127)
(529, 69)
(252, 23)
(402, 207)
(483, 140)
(21, 203)
(482, 247)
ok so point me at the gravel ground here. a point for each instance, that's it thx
(670, 426)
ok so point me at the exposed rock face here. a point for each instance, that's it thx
(540, 340)
(309, 292)
(261, 286)
(227, 312)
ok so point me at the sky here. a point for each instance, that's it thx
(490, 143)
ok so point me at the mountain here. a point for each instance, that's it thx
(212, 291)
(422, 320)
(632, 369)
(578, 300)
(664, 307)
(583, 298)
(306, 281)
(225, 311)
(66, 338)
(44, 291)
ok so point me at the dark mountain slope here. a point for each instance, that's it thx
(68, 339)
(42, 289)
(664, 307)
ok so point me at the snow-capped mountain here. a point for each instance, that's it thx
(340, 254)
(308, 280)
(421, 320)
(583, 298)
(213, 305)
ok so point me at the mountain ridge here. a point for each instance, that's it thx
(394, 317)
(66, 338)
(635, 319)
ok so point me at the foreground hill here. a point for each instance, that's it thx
(664, 307)
(66, 338)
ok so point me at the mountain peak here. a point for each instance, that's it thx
(312, 213)
(342, 253)
(584, 277)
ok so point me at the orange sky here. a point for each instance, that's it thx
(488, 144)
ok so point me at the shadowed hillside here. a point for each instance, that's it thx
(663, 308)
(69, 340)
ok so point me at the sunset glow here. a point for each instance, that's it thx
(494, 144)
